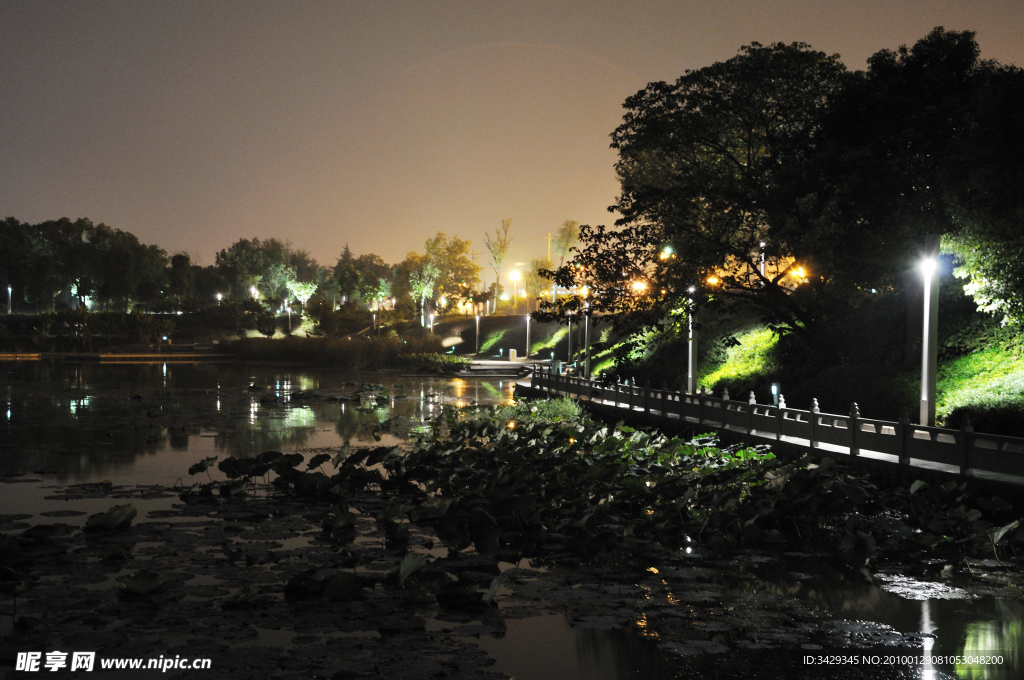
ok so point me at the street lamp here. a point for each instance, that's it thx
(8, 299)
(930, 328)
(568, 340)
(585, 293)
(255, 292)
(691, 353)
(219, 298)
(527, 337)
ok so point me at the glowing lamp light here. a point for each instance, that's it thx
(584, 291)
(255, 293)
(712, 280)
(515, 276)
(443, 301)
(691, 289)
(800, 272)
(928, 266)
(639, 286)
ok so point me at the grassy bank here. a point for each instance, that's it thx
(987, 385)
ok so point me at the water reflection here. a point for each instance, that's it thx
(540, 648)
(960, 626)
(87, 422)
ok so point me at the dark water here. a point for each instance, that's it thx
(146, 424)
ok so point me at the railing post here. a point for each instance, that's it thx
(647, 396)
(664, 400)
(902, 428)
(815, 410)
(854, 426)
(966, 435)
(751, 403)
(630, 395)
(778, 418)
(700, 394)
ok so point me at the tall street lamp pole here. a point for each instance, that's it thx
(568, 339)
(585, 292)
(691, 350)
(8, 299)
(930, 328)
(527, 337)
(586, 340)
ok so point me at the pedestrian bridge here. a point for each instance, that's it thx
(899, 444)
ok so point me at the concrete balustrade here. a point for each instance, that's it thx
(959, 452)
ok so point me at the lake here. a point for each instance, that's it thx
(146, 424)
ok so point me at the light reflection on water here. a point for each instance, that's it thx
(77, 423)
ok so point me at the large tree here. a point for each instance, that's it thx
(457, 276)
(701, 163)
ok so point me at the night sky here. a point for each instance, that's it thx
(194, 124)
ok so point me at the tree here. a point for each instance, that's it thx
(301, 291)
(536, 284)
(457, 276)
(708, 168)
(567, 237)
(988, 205)
(180, 277)
(347, 276)
(498, 248)
(423, 276)
(370, 269)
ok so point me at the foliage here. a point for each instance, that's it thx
(434, 362)
(457, 276)
(705, 165)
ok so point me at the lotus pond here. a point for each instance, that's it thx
(338, 525)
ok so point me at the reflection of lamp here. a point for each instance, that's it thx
(255, 293)
(478, 334)
(930, 329)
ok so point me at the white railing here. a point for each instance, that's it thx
(962, 451)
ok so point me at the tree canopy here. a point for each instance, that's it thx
(780, 180)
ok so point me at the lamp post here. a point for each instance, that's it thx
(568, 340)
(585, 292)
(527, 337)
(478, 334)
(930, 328)
(691, 352)
(8, 299)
